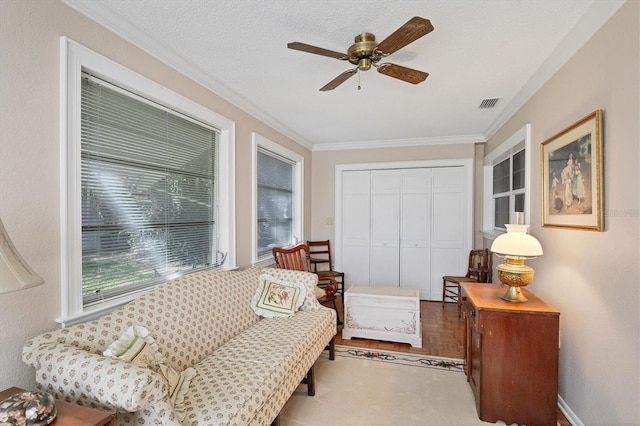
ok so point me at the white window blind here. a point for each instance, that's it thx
(148, 192)
(275, 192)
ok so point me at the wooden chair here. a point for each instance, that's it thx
(480, 270)
(297, 258)
(320, 253)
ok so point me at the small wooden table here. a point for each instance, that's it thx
(383, 313)
(72, 414)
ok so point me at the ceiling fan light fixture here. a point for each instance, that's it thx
(364, 64)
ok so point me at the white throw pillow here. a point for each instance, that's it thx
(309, 280)
(138, 347)
(277, 298)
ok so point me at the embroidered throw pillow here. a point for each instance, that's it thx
(277, 298)
(138, 347)
(309, 280)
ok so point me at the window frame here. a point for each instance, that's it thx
(74, 59)
(297, 228)
(510, 193)
(520, 140)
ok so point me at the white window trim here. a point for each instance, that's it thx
(298, 195)
(519, 140)
(74, 58)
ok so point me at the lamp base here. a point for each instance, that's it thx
(514, 294)
(515, 274)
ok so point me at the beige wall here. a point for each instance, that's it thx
(29, 156)
(593, 278)
(324, 170)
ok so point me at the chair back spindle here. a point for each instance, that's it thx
(294, 258)
(298, 258)
(480, 269)
(322, 263)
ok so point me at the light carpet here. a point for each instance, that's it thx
(364, 387)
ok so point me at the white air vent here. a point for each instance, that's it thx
(489, 102)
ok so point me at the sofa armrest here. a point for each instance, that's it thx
(79, 376)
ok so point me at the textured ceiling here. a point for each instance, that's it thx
(479, 49)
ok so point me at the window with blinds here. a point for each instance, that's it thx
(508, 188)
(275, 192)
(148, 192)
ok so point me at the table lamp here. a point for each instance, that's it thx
(515, 246)
(15, 274)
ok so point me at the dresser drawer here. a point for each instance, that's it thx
(469, 311)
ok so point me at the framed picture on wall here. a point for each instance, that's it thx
(572, 177)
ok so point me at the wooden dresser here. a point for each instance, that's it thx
(511, 355)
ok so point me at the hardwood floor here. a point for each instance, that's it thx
(442, 335)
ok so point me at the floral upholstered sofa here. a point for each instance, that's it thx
(213, 361)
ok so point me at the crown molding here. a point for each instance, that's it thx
(105, 17)
(597, 15)
(398, 143)
(585, 28)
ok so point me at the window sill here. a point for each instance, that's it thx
(93, 312)
(265, 262)
(99, 309)
(491, 234)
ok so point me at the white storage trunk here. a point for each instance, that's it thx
(383, 313)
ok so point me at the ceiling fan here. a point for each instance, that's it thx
(366, 52)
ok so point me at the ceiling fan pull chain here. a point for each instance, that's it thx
(358, 79)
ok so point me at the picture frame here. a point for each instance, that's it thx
(572, 176)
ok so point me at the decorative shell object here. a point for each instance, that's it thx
(28, 409)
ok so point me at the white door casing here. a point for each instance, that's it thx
(419, 216)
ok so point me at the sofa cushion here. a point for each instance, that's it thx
(277, 298)
(265, 363)
(137, 346)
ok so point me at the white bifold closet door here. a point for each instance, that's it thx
(356, 215)
(403, 227)
(384, 256)
(415, 230)
(449, 254)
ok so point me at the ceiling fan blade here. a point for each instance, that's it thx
(339, 80)
(415, 28)
(316, 50)
(402, 73)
